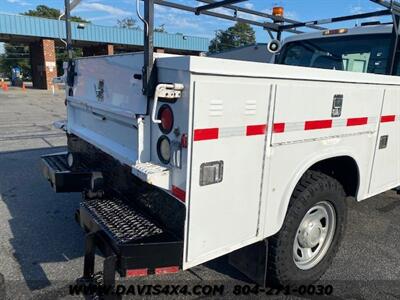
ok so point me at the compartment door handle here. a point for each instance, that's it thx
(99, 116)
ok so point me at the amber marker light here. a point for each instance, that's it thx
(278, 11)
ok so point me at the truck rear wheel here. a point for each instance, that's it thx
(304, 248)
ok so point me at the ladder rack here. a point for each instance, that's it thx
(269, 22)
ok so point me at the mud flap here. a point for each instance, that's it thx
(252, 261)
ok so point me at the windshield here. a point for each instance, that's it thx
(360, 53)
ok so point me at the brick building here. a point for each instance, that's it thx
(43, 35)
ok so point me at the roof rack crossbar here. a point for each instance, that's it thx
(262, 14)
(265, 25)
(385, 12)
(392, 5)
(211, 13)
(213, 5)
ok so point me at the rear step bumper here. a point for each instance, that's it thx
(61, 178)
(136, 242)
(133, 244)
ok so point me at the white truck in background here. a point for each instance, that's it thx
(248, 159)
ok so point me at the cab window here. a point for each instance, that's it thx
(357, 53)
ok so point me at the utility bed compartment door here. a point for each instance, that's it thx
(386, 166)
(229, 129)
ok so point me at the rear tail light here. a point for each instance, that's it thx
(164, 149)
(166, 116)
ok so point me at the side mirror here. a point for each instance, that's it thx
(274, 46)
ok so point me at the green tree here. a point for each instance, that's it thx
(129, 23)
(132, 23)
(15, 55)
(240, 34)
(160, 28)
(43, 11)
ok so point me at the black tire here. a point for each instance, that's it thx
(312, 188)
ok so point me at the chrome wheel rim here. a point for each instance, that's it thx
(314, 235)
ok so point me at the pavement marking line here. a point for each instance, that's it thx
(32, 136)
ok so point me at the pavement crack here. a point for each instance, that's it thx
(194, 273)
(47, 142)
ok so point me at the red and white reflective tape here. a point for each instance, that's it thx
(322, 124)
(225, 132)
(137, 272)
(178, 193)
(389, 118)
(331, 123)
(156, 271)
(280, 127)
(166, 270)
(206, 134)
(256, 130)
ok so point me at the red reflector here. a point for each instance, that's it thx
(206, 134)
(255, 129)
(178, 193)
(320, 124)
(386, 119)
(136, 273)
(279, 127)
(184, 140)
(357, 121)
(166, 270)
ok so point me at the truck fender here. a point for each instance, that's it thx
(300, 171)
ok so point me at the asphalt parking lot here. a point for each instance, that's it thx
(41, 246)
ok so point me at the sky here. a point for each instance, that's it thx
(107, 12)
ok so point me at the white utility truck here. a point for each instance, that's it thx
(190, 158)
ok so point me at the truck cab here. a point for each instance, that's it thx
(363, 49)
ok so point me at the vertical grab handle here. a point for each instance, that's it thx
(167, 90)
(156, 95)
